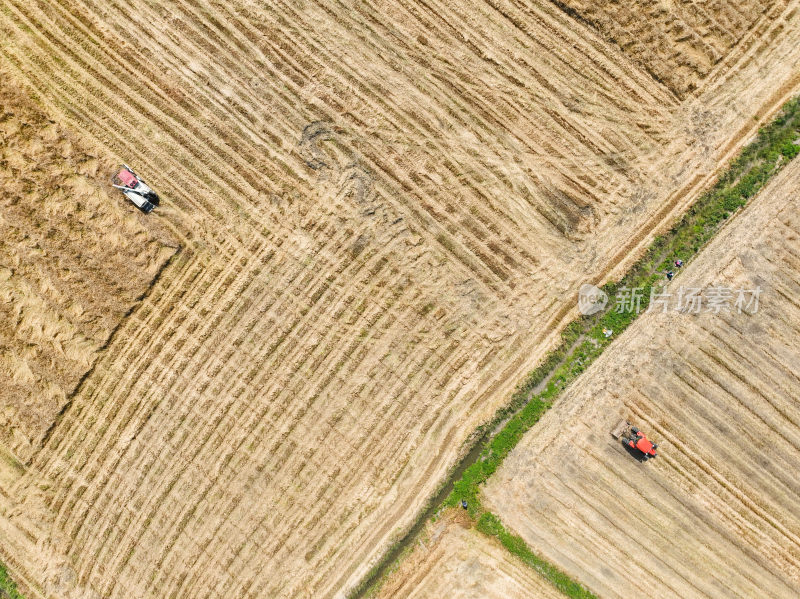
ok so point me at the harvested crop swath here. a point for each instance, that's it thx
(73, 262)
(678, 43)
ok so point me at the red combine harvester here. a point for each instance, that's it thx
(634, 439)
(135, 189)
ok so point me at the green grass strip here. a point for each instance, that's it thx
(8, 586)
(583, 340)
(746, 175)
(490, 524)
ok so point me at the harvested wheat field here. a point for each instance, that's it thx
(385, 210)
(455, 561)
(73, 262)
(678, 43)
(717, 513)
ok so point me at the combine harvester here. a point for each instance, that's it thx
(635, 439)
(137, 191)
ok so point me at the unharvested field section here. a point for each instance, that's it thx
(386, 211)
(717, 513)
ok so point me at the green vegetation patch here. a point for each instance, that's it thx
(8, 586)
(490, 524)
(583, 340)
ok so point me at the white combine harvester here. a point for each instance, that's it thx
(135, 188)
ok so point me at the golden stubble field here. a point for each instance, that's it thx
(717, 514)
(73, 262)
(385, 211)
(454, 560)
(678, 43)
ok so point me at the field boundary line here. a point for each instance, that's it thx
(583, 341)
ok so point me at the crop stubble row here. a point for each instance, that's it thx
(64, 290)
(232, 427)
(455, 560)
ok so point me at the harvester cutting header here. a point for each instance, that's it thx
(137, 191)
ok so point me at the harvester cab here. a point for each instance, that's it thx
(136, 190)
(634, 439)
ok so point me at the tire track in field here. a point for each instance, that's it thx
(321, 334)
